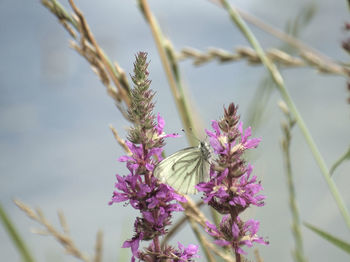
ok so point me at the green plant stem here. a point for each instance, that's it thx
(16, 238)
(276, 76)
(176, 89)
(296, 228)
(175, 69)
(345, 156)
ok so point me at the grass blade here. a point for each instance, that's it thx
(16, 238)
(345, 246)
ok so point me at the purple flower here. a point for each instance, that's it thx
(170, 254)
(236, 233)
(186, 254)
(155, 201)
(160, 127)
(231, 188)
(248, 143)
(133, 244)
(225, 194)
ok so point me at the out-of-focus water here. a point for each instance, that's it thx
(57, 151)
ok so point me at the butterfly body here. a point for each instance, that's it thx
(185, 168)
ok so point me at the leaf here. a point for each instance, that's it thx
(334, 240)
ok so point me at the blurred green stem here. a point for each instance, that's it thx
(344, 157)
(276, 76)
(173, 62)
(17, 240)
(296, 225)
(172, 75)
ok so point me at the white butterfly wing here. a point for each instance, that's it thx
(183, 170)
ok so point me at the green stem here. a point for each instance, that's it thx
(16, 238)
(276, 76)
(345, 156)
(190, 127)
(176, 89)
(296, 229)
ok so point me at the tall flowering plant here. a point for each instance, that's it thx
(156, 202)
(231, 188)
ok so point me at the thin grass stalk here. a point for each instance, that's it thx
(174, 65)
(171, 55)
(84, 29)
(285, 37)
(173, 230)
(175, 227)
(275, 55)
(120, 141)
(225, 256)
(257, 256)
(201, 240)
(98, 247)
(343, 157)
(293, 206)
(56, 8)
(307, 52)
(63, 15)
(192, 211)
(276, 76)
(63, 238)
(177, 92)
(16, 238)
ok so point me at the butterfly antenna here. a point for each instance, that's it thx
(191, 133)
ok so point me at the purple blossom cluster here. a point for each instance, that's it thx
(140, 188)
(170, 254)
(231, 188)
(155, 201)
(235, 233)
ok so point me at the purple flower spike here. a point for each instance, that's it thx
(231, 188)
(156, 202)
(236, 233)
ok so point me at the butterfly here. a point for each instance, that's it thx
(185, 168)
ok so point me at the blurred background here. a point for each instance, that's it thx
(57, 152)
